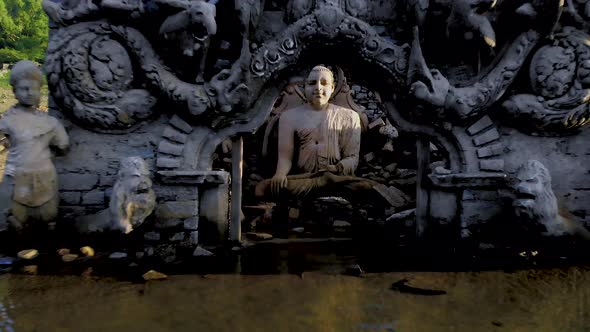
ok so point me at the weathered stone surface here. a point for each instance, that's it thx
(176, 237)
(180, 124)
(489, 151)
(175, 135)
(487, 137)
(493, 165)
(193, 237)
(194, 177)
(177, 210)
(480, 125)
(171, 148)
(200, 252)
(258, 236)
(174, 193)
(152, 236)
(77, 182)
(95, 197)
(191, 224)
(70, 197)
(168, 162)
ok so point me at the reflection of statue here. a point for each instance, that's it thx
(327, 138)
(132, 201)
(32, 133)
(535, 203)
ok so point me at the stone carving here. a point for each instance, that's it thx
(91, 74)
(560, 79)
(434, 91)
(328, 140)
(32, 135)
(535, 204)
(132, 200)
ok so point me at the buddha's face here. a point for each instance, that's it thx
(28, 92)
(319, 88)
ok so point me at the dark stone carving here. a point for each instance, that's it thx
(560, 80)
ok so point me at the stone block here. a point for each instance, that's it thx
(166, 162)
(168, 223)
(171, 148)
(95, 197)
(487, 137)
(191, 224)
(177, 210)
(77, 182)
(176, 237)
(70, 198)
(480, 125)
(107, 180)
(181, 125)
(177, 193)
(489, 151)
(175, 135)
(152, 236)
(193, 237)
(493, 165)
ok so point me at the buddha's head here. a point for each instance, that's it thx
(319, 87)
(26, 80)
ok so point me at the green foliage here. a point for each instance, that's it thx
(4, 80)
(8, 55)
(23, 28)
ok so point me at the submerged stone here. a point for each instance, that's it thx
(154, 275)
(28, 254)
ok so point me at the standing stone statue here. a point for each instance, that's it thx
(32, 135)
(319, 145)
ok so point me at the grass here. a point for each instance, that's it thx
(7, 98)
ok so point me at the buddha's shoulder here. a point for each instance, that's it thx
(344, 110)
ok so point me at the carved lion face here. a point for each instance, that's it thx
(534, 199)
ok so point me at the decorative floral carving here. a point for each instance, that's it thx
(560, 79)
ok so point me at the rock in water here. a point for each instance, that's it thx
(28, 254)
(69, 258)
(87, 251)
(202, 252)
(258, 236)
(118, 255)
(154, 275)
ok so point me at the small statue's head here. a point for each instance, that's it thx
(26, 79)
(319, 86)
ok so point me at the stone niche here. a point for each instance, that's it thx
(480, 88)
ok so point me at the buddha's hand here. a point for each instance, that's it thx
(277, 183)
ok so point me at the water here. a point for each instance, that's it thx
(530, 300)
(298, 287)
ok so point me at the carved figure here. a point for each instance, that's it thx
(132, 201)
(535, 203)
(32, 135)
(328, 140)
(133, 198)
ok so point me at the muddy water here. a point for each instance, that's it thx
(531, 300)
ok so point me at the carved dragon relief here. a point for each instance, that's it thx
(108, 75)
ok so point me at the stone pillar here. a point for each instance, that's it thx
(213, 203)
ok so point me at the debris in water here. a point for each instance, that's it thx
(154, 275)
(402, 287)
(69, 258)
(63, 251)
(28, 254)
(118, 255)
(87, 251)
